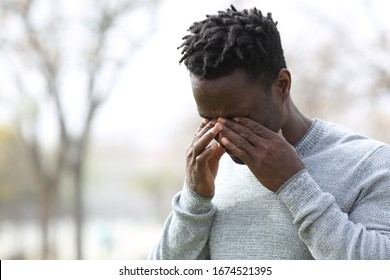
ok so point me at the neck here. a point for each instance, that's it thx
(296, 125)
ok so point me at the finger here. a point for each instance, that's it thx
(202, 125)
(207, 135)
(241, 130)
(236, 139)
(207, 154)
(238, 152)
(257, 128)
(219, 152)
(203, 128)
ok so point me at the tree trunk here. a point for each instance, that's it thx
(79, 211)
(48, 204)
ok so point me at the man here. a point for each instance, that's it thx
(287, 187)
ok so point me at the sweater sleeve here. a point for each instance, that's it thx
(187, 228)
(329, 233)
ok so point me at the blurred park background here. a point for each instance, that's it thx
(96, 112)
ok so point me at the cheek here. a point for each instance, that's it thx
(269, 116)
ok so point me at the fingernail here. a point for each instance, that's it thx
(218, 128)
(222, 120)
(225, 141)
(236, 119)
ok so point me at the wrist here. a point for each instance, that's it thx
(193, 202)
(200, 190)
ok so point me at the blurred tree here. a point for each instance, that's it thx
(63, 58)
(18, 185)
(346, 75)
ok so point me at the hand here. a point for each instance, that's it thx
(203, 159)
(267, 154)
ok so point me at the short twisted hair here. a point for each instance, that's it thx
(234, 39)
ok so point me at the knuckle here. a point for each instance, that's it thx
(240, 142)
(268, 148)
(244, 133)
(199, 160)
(241, 154)
(228, 134)
(189, 151)
(189, 154)
(210, 125)
(257, 130)
(247, 123)
(195, 149)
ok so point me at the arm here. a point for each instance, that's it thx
(327, 231)
(330, 233)
(187, 229)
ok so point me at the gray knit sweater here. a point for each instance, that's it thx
(337, 208)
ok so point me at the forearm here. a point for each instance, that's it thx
(187, 229)
(327, 231)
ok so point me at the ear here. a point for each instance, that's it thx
(283, 82)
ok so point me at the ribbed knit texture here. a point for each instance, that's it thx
(337, 208)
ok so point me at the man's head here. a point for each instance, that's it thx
(234, 39)
(238, 69)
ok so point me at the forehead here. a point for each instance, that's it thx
(237, 79)
(228, 96)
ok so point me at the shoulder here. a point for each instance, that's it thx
(336, 145)
(349, 143)
(336, 134)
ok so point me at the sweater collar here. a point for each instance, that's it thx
(310, 139)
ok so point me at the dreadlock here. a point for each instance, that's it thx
(234, 39)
